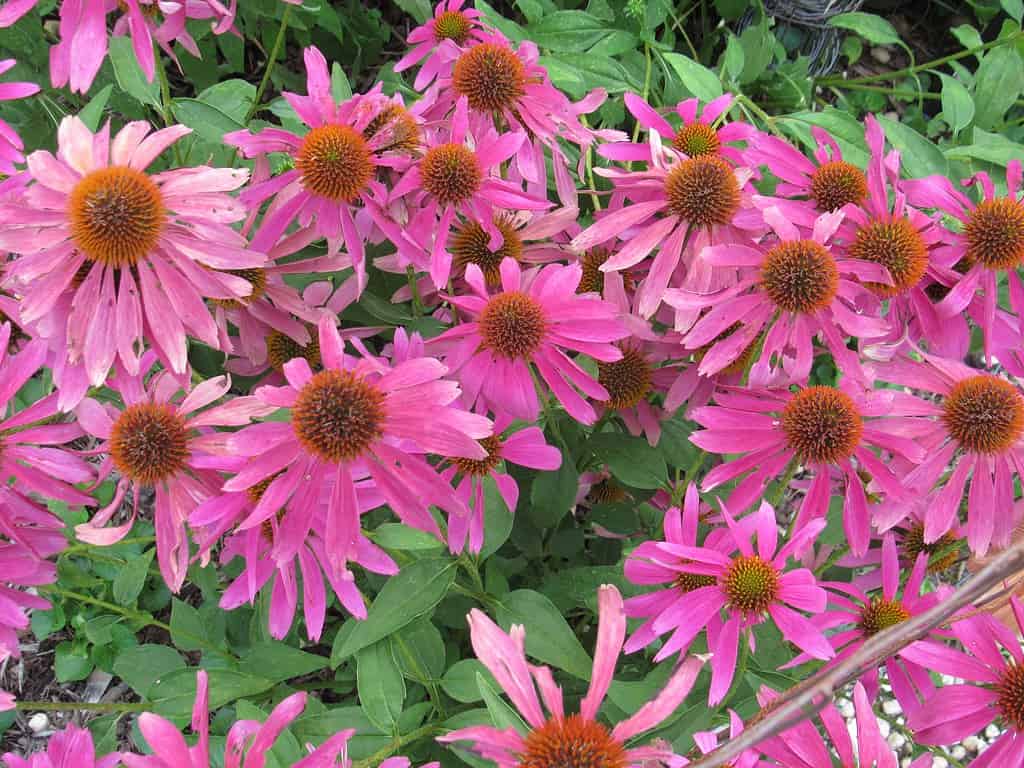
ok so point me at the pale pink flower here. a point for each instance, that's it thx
(72, 746)
(558, 733)
(450, 22)
(153, 440)
(726, 574)
(357, 417)
(526, 327)
(10, 142)
(122, 257)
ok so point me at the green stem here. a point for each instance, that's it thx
(81, 706)
(396, 744)
(589, 159)
(834, 558)
(417, 302)
(271, 61)
(691, 471)
(900, 73)
(646, 93)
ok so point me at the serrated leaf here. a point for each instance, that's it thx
(131, 578)
(549, 637)
(695, 77)
(380, 685)
(413, 592)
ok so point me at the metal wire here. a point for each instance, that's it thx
(809, 20)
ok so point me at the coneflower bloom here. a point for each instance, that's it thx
(527, 327)
(458, 174)
(808, 188)
(71, 746)
(248, 737)
(988, 249)
(332, 185)
(450, 22)
(525, 447)
(153, 440)
(820, 428)
(854, 617)
(699, 134)
(994, 662)
(977, 428)
(554, 739)
(270, 564)
(859, 746)
(727, 575)
(133, 255)
(10, 143)
(707, 742)
(680, 204)
(792, 290)
(904, 241)
(355, 417)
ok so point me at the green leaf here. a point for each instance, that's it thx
(872, 28)
(595, 71)
(317, 728)
(567, 31)
(734, 58)
(1014, 9)
(340, 88)
(143, 665)
(968, 36)
(418, 9)
(70, 663)
(997, 84)
(232, 97)
(957, 106)
(209, 122)
(419, 651)
(459, 681)
(174, 694)
(498, 519)
(129, 74)
(413, 592)
(990, 147)
(93, 111)
(919, 156)
(549, 637)
(131, 578)
(502, 715)
(380, 685)
(758, 45)
(187, 627)
(398, 536)
(844, 128)
(631, 459)
(278, 661)
(696, 78)
(573, 587)
(553, 494)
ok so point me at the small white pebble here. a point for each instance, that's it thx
(940, 762)
(971, 743)
(883, 728)
(845, 707)
(992, 732)
(38, 722)
(896, 739)
(958, 752)
(891, 707)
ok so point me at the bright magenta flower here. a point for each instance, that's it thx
(72, 746)
(793, 290)
(12, 10)
(726, 574)
(823, 429)
(10, 142)
(153, 440)
(977, 428)
(121, 256)
(987, 250)
(525, 328)
(551, 737)
(450, 22)
(357, 417)
(993, 660)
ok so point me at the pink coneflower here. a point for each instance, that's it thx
(357, 416)
(130, 253)
(10, 142)
(698, 134)
(954, 712)
(450, 22)
(680, 204)
(988, 249)
(707, 742)
(808, 188)
(71, 746)
(748, 585)
(977, 428)
(12, 10)
(525, 447)
(858, 617)
(793, 290)
(333, 185)
(804, 746)
(458, 174)
(78, 56)
(553, 738)
(820, 428)
(153, 441)
(527, 327)
(249, 737)
(272, 551)
(905, 242)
